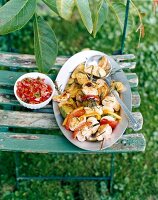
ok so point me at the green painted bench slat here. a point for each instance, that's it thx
(51, 143)
(6, 92)
(8, 78)
(127, 65)
(11, 100)
(36, 120)
(135, 99)
(7, 98)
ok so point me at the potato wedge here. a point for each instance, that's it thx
(81, 78)
(79, 68)
(73, 89)
(69, 83)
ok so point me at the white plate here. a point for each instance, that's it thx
(62, 79)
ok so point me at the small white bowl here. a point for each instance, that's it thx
(35, 75)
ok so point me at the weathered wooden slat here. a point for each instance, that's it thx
(138, 116)
(17, 60)
(119, 58)
(60, 61)
(24, 60)
(12, 101)
(6, 92)
(127, 65)
(59, 144)
(28, 120)
(28, 61)
(133, 79)
(8, 78)
(7, 99)
(135, 99)
(37, 120)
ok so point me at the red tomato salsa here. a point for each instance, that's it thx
(33, 90)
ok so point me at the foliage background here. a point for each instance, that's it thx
(136, 174)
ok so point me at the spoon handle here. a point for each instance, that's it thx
(135, 125)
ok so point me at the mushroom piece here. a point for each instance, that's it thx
(103, 92)
(107, 108)
(100, 82)
(98, 109)
(104, 132)
(111, 102)
(89, 89)
(86, 131)
(95, 71)
(95, 124)
(80, 137)
(103, 63)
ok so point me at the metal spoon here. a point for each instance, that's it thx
(93, 61)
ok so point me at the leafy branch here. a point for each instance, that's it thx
(16, 13)
(45, 44)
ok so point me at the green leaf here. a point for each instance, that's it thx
(15, 14)
(45, 45)
(65, 8)
(99, 16)
(52, 5)
(119, 10)
(85, 13)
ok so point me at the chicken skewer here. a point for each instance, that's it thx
(94, 61)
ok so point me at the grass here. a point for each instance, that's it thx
(136, 174)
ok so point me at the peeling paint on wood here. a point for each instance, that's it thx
(11, 100)
(133, 79)
(24, 137)
(6, 82)
(138, 116)
(28, 119)
(36, 120)
(136, 99)
(127, 65)
(119, 58)
(28, 61)
(59, 144)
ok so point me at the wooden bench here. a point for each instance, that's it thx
(39, 132)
